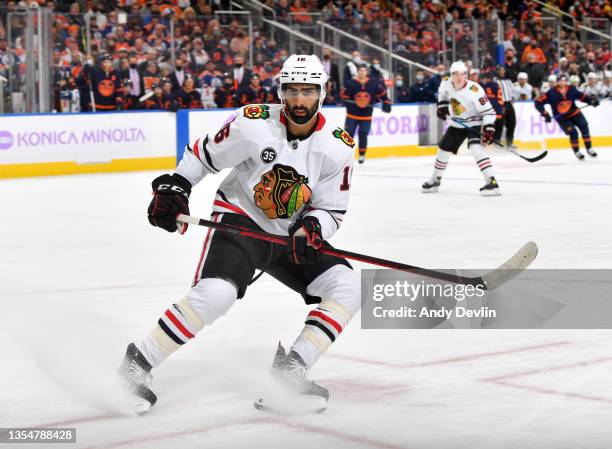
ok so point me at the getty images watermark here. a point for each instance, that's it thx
(557, 299)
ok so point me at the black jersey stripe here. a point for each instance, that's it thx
(207, 155)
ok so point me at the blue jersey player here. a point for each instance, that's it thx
(562, 100)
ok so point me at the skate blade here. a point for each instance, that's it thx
(294, 406)
(432, 190)
(495, 192)
(139, 405)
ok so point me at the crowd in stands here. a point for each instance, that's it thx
(129, 62)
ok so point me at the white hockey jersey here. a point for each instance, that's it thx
(469, 104)
(274, 181)
(524, 92)
(596, 91)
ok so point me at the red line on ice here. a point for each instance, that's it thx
(458, 359)
(502, 380)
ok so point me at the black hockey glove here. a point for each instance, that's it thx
(488, 134)
(547, 117)
(305, 239)
(386, 107)
(442, 111)
(594, 102)
(170, 198)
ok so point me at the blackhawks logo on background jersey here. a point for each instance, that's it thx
(281, 192)
(344, 137)
(254, 111)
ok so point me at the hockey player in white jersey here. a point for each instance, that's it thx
(522, 89)
(291, 176)
(470, 109)
(593, 87)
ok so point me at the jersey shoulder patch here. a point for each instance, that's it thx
(256, 111)
(344, 136)
(474, 88)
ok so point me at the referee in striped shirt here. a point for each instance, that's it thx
(508, 115)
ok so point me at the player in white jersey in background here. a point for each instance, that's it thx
(291, 176)
(522, 89)
(467, 103)
(594, 87)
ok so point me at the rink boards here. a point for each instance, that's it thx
(60, 144)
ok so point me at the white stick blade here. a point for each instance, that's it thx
(512, 267)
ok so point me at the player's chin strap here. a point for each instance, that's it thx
(488, 281)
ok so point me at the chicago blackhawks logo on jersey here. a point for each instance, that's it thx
(344, 137)
(255, 111)
(281, 192)
(457, 107)
(474, 88)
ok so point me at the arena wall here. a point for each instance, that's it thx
(61, 144)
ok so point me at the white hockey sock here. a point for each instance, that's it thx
(441, 162)
(208, 300)
(177, 326)
(482, 160)
(323, 325)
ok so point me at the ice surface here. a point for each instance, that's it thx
(82, 274)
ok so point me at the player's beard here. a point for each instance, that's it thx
(301, 119)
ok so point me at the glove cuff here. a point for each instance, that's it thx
(172, 184)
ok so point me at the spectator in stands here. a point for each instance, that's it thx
(331, 97)
(434, 81)
(241, 75)
(135, 86)
(158, 101)
(402, 93)
(535, 70)
(511, 64)
(420, 91)
(254, 93)
(179, 75)
(188, 97)
(331, 68)
(151, 57)
(239, 43)
(211, 76)
(199, 55)
(150, 75)
(533, 48)
(226, 95)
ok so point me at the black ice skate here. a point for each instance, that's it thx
(431, 186)
(491, 188)
(362, 154)
(135, 372)
(591, 152)
(579, 155)
(303, 394)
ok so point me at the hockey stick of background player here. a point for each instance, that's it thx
(477, 134)
(146, 96)
(558, 116)
(493, 279)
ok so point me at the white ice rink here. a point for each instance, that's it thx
(82, 273)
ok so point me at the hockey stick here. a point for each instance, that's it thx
(477, 134)
(489, 281)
